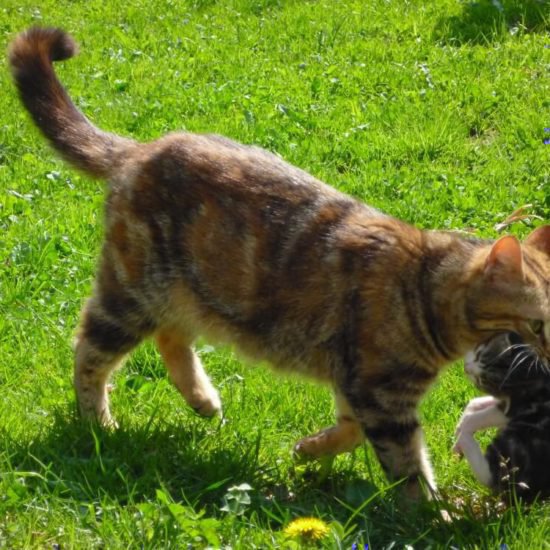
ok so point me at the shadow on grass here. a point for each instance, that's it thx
(126, 467)
(90, 463)
(488, 21)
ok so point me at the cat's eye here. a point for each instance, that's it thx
(536, 326)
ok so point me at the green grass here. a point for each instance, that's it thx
(431, 111)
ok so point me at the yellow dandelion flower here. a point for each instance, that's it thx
(311, 529)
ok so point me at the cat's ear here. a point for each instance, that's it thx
(505, 259)
(540, 238)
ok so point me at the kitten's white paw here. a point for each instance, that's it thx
(480, 403)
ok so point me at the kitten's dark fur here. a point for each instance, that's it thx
(519, 456)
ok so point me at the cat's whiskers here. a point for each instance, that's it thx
(510, 348)
(538, 361)
(519, 360)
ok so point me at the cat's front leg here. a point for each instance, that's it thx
(399, 445)
(385, 405)
(343, 437)
(187, 372)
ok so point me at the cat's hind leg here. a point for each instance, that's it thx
(104, 338)
(187, 372)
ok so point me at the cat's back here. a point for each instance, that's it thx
(184, 161)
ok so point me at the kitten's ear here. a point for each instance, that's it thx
(504, 259)
(540, 238)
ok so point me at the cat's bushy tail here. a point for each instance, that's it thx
(31, 55)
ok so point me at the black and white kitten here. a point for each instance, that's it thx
(518, 383)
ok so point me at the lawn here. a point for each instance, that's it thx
(434, 112)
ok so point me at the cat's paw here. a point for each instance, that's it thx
(109, 423)
(310, 448)
(342, 438)
(208, 405)
(96, 410)
(103, 419)
(480, 403)
(475, 406)
(300, 453)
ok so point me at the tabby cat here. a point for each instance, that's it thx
(207, 236)
(518, 381)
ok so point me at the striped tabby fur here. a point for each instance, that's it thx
(207, 236)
